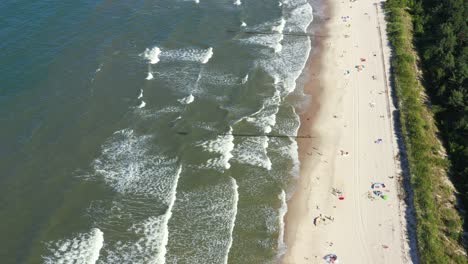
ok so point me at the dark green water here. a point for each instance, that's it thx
(121, 129)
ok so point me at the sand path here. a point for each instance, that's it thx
(357, 148)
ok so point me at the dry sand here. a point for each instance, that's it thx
(354, 111)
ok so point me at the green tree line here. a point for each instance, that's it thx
(427, 25)
(440, 28)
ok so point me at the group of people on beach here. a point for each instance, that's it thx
(378, 189)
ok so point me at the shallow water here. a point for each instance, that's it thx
(120, 129)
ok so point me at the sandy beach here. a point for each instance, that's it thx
(337, 207)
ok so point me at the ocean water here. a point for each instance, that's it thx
(139, 131)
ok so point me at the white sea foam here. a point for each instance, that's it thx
(235, 201)
(208, 55)
(208, 212)
(245, 79)
(148, 238)
(187, 54)
(279, 28)
(289, 126)
(153, 233)
(265, 118)
(293, 153)
(223, 145)
(279, 47)
(272, 41)
(148, 248)
(285, 69)
(197, 1)
(265, 40)
(161, 256)
(84, 248)
(219, 79)
(253, 151)
(187, 100)
(300, 15)
(152, 55)
(150, 76)
(243, 24)
(152, 114)
(294, 149)
(220, 162)
(237, 2)
(276, 80)
(282, 212)
(289, 66)
(142, 104)
(266, 122)
(99, 68)
(128, 168)
(141, 94)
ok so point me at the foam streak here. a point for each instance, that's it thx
(282, 212)
(235, 201)
(161, 256)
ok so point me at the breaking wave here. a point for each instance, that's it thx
(142, 104)
(188, 54)
(207, 56)
(84, 248)
(150, 76)
(128, 168)
(186, 100)
(208, 228)
(152, 233)
(253, 151)
(235, 201)
(141, 94)
(152, 55)
(222, 145)
(155, 55)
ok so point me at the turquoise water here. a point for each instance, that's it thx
(126, 129)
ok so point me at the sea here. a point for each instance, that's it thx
(149, 131)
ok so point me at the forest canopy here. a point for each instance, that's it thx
(440, 28)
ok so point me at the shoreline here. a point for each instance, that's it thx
(313, 93)
(337, 117)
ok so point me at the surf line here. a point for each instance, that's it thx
(252, 135)
(297, 34)
(235, 202)
(161, 255)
